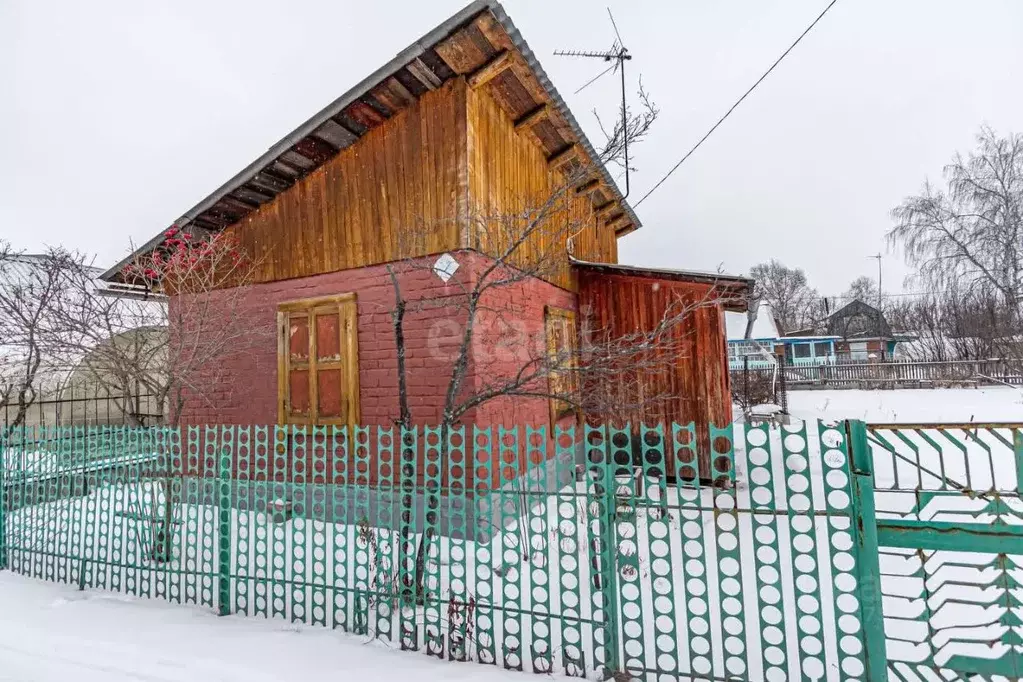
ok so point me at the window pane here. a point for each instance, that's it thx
(560, 328)
(298, 391)
(328, 341)
(328, 393)
(298, 338)
(801, 350)
(822, 350)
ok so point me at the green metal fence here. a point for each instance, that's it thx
(589, 551)
(949, 524)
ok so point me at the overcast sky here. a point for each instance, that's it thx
(116, 116)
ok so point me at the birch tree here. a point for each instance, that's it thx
(968, 234)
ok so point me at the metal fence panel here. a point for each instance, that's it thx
(590, 551)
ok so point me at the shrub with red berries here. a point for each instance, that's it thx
(188, 263)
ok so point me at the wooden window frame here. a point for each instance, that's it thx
(553, 314)
(346, 308)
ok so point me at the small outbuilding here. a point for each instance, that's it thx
(461, 125)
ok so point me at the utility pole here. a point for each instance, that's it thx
(880, 316)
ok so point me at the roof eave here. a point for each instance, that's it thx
(739, 303)
(688, 275)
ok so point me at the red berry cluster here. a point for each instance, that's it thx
(179, 255)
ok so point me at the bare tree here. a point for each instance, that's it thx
(970, 234)
(533, 243)
(136, 336)
(162, 332)
(793, 301)
(31, 287)
(598, 373)
(862, 289)
(952, 325)
(589, 370)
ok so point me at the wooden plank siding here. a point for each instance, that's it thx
(436, 177)
(395, 193)
(509, 176)
(694, 387)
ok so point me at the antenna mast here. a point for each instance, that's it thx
(618, 54)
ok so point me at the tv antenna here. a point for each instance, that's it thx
(618, 55)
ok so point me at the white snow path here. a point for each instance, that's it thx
(989, 404)
(51, 632)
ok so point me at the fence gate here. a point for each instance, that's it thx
(752, 578)
(948, 528)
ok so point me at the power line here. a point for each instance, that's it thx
(738, 102)
(843, 297)
(594, 79)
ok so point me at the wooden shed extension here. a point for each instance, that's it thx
(621, 301)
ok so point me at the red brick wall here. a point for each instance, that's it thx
(247, 393)
(511, 332)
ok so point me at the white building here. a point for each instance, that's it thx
(760, 345)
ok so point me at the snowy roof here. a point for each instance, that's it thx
(763, 328)
(19, 268)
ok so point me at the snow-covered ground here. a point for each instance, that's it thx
(992, 404)
(701, 579)
(51, 632)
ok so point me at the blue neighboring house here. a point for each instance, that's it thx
(765, 341)
(855, 332)
(810, 350)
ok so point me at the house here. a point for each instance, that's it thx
(412, 165)
(855, 332)
(861, 333)
(758, 351)
(810, 349)
(803, 349)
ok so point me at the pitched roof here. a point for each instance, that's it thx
(858, 319)
(481, 35)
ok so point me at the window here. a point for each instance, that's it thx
(801, 350)
(858, 350)
(318, 361)
(754, 350)
(822, 349)
(741, 349)
(560, 329)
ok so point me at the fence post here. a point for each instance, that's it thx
(868, 570)
(609, 575)
(224, 510)
(3, 500)
(745, 380)
(601, 505)
(783, 388)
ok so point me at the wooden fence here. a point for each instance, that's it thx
(902, 373)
